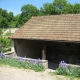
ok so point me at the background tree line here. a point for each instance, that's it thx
(8, 20)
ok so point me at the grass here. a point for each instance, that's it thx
(67, 72)
(70, 73)
(8, 34)
(21, 64)
(63, 77)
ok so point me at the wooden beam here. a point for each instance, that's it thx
(44, 51)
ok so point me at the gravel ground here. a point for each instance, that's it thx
(11, 73)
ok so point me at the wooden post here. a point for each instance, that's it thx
(44, 51)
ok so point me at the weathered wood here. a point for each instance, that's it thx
(44, 51)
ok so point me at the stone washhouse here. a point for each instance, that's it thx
(53, 38)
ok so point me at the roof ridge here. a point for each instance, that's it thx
(55, 15)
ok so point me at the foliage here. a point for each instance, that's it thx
(48, 9)
(5, 43)
(0, 40)
(68, 9)
(10, 16)
(0, 32)
(27, 12)
(4, 23)
(8, 34)
(8, 20)
(68, 70)
(59, 5)
(76, 8)
(20, 63)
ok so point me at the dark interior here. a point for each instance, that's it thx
(67, 51)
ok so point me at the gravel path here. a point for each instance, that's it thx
(10, 73)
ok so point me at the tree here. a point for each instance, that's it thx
(53, 8)
(76, 8)
(27, 12)
(59, 5)
(11, 20)
(8, 19)
(1, 18)
(10, 16)
(17, 20)
(4, 13)
(0, 32)
(0, 11)
(47, 9)
(4, 23)
(68, 9)
(29, 9)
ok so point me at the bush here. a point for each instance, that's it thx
(0, 31)
(5, 43)
(68, 70)
(8, 34)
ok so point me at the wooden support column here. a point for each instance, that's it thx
(44, 51)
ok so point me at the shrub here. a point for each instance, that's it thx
(0, 31)
(8, 34)
(68, 70)
(5, 43)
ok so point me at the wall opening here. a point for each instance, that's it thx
(28, 48)
(58, 51)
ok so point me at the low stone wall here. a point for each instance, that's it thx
(43, 62)
(72, 65)
(10, 53)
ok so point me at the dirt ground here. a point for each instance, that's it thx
(11, 73)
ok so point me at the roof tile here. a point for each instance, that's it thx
(54, 27)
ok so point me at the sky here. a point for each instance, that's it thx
(15, 5)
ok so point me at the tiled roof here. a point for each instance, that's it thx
(54, 27)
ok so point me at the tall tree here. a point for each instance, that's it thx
(47, 9)
(7, 19)
(59, 5)
(27, 12)
(68, 9)
(1, 18)
(0, 11)
(4, 13)
(17, 21)
(10, 16)
(4, 23)
(76, 8)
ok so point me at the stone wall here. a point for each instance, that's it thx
(43, 62)
(30, 49)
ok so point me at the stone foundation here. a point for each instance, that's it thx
(43, 62)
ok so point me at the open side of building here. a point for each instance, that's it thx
(53, 38)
